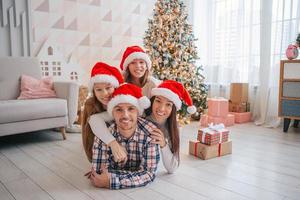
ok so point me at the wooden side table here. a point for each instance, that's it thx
(289, 92)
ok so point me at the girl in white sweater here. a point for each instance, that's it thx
(166, 100)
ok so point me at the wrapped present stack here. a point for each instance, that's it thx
(217, 113)
(211, 142)
(238, 103)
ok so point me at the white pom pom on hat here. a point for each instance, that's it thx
(144, 102)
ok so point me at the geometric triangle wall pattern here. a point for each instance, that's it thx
(44, 6)
(91, 30)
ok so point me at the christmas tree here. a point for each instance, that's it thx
(170, 43)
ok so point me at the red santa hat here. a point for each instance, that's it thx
(175, 92)
(104, 73)
(128, 93)
(134, 52)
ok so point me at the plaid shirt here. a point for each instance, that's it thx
(142, 158)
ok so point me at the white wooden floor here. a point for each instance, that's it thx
(265, 164)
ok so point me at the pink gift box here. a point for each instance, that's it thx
(227, 121)
(203, 120)
(230, 120)
(241, 117)
(217, 107)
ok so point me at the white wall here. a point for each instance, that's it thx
(90, 30)
(15, 31)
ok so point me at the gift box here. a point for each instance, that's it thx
(227, 121)
(241, 117)
(239, 107)
(230, 120)
(217, 107)
(203, 151)
(239, 92)
(211, 136)
(203, 120)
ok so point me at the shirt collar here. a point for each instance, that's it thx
(134, 137)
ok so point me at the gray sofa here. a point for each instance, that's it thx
(20, 116)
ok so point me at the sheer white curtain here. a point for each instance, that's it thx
(243, 41)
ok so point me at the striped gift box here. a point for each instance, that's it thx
(212, 137)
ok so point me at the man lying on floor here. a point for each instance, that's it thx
(133, 133)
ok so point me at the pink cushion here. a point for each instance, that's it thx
(32, 88)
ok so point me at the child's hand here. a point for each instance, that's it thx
(119, 152)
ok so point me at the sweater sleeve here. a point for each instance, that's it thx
(170, 161)
(155, 81)
(99, 128)
(152, 83)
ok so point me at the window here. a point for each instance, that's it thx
(236, 43)
(74, 76)
(229, 35)
(45, 71)
(50, 51)
(285, 22)
(56, 70)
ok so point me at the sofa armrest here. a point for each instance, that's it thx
(68, 91)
